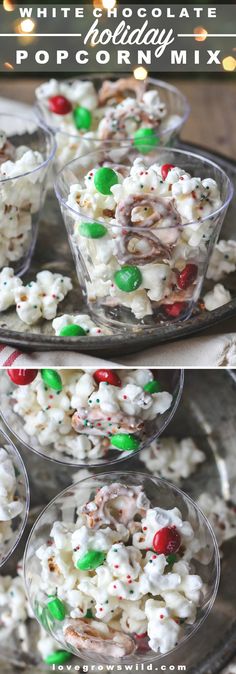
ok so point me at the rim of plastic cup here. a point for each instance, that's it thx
(20, 462)
(45, 130)
(158, 83)
(173, 488)
(110, 462)
(191, 155)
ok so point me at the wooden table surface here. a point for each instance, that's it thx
(212, 121)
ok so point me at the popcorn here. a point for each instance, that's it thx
(8, 285)
(38, 299)
(107, 581)
(223, 260)
(163, 631)
(10, 504)
(172, 459)
(80, 420)
(20, 200)
(221, 516)
(217, 297)
(148, 257)
(16, 617)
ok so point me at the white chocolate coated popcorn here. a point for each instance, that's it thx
(221, 516)
(223, 260)
(20, 198)
(8, 285)
(40, 298)
(217, 297)
(172, 459)
(17, 620)
(10, 504)
(129, 588)
(77, 421)
(158, 223)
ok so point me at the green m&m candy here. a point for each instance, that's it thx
(56, 608)
(92, 230)
(52, 379)
(171, 559)
(145, 140)
(91, 560)
(104, 179)
(58, 657)
(72, 331)
(82, 117)
(43, 616)
(152, 387)
(128, 278)
(125, 441)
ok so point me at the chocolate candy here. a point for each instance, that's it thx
(174, 310)
(104, 179)
(128, 278)
(187, 276)
(92, 230)
(82, 117)
(125, 442)
(152, 386)
(56, 608)
(22, 377)
(165, 170)
(108, 376)
(166, 541)
(145, 140)
(58, 657)
(91, 560)
(52, 379)
(72, 330)
(59, 105)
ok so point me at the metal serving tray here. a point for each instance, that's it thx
(207, 413)
(52, 252)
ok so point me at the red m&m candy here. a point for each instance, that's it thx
(59, 105)
(174, 310)
(187, 276)
(165, 170)
(22, 377)
(166, 541)
(108, 376)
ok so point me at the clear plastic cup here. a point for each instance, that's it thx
(203, 558)
(155, 257)
(72, 143)
(22, 196)
(170, 381)
(11, 530)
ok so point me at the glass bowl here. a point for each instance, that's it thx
(72, 143)
(22, 196)
(149, 273)
(54, 576)
(13, 478)
(66, 448)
